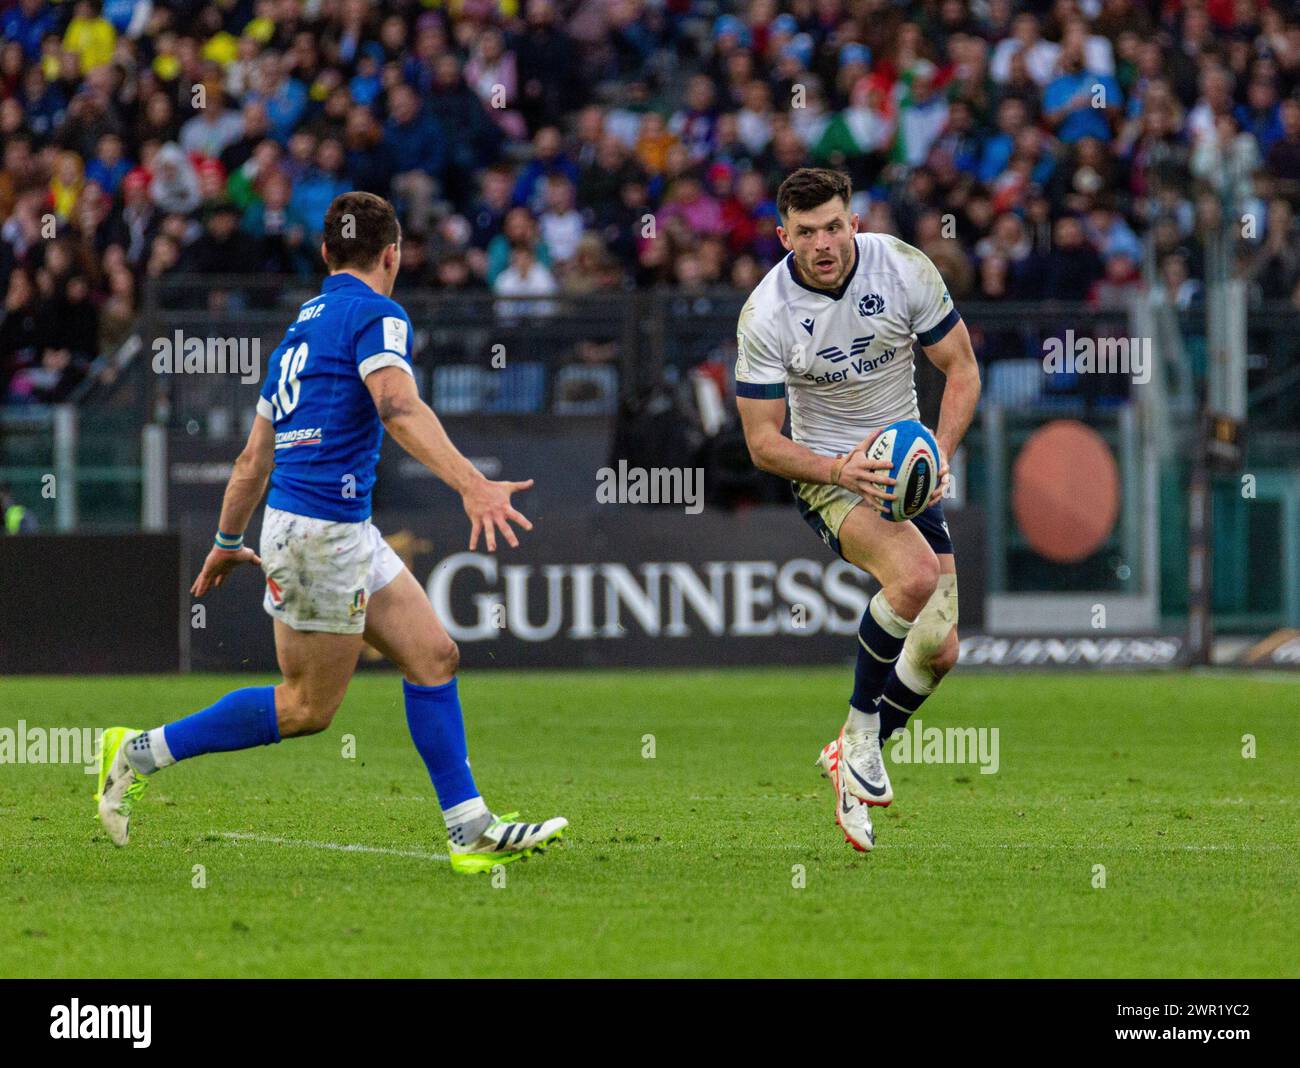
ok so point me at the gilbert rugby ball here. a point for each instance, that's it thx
(913, 458)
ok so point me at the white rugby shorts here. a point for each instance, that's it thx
(320, 574)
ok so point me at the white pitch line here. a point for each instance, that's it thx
(924, 847)
(339, 847)
(1172, 847)
(637, 847)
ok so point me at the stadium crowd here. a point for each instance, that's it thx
(536, 147)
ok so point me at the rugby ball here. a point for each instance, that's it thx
(913, 457)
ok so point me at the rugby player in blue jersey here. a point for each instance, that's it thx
(339, 379)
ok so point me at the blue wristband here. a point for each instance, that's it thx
(229, 542)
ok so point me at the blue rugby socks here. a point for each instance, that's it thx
(880, 640)
(240, 720)
(903, 694)
(438, 730)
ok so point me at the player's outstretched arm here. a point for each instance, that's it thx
(772, 451)
(243, 491)
(416, 427)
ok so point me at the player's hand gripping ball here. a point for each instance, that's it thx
(914, 464)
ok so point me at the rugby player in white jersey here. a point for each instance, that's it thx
(830, 330)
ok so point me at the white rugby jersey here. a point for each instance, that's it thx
(843, 357)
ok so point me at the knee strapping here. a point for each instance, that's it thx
(890, 621)
(927, 637)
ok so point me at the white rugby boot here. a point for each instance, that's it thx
(864, 767)
(504, 841)
(852, 815)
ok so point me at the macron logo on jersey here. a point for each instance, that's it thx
(287, 439)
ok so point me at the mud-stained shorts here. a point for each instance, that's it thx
(320, 574)
(824, 508)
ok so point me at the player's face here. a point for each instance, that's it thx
(822, 242)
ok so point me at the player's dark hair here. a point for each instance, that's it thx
(811, 187)
(358, 227)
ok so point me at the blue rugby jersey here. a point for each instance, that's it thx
(327, 430)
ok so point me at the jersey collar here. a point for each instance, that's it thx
(338, 281)
(834, 294)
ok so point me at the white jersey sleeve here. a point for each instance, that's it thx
(760, 370)
(929, 307)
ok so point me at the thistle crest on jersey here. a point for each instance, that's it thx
(871, 304)
(913, 457)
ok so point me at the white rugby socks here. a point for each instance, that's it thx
(148, 751)
(467, 820)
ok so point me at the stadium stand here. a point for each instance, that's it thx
(526, 144)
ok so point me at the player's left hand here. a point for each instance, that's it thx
(489, 509)
(219, 564)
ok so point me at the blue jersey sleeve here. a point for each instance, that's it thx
(267, 394)
(381, 337)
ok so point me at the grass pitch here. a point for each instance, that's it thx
(686, 863)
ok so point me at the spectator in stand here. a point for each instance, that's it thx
(548, 159)
(175, 183)
(419, 153)
(605, 175)
(922, 116)
(1079, 102)
(255, 127)
(863, 130)
(223, 248)
(1260, 116)
(1176, 286)
(1013, 117)
(653, 143)
(109, 166)
(29, 23)
(74, 320)
(560, 224)
(549, 66)
(44, 106)
(90, 36)
(453, 272)
(493, 73)
(524, 276)
(473, 138)
(23, 329)
(994, 282)
(369, 159)
(696, 125)
(1121, 280)
(489, 211)
(313, 193)
(66, 185)
(1283, 160)
(284, 97)
(519, 228)
(1073, 265)
(1275, 266)
(688, 205)
(591, 269)
(213, 129)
